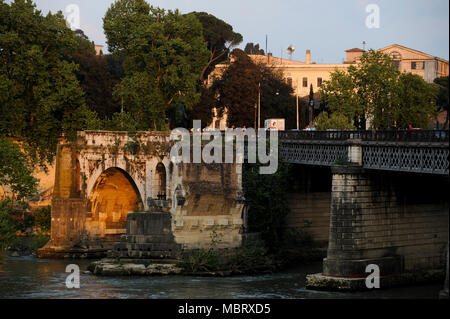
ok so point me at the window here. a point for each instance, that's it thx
(319, 82)
(417, 65)
(397, 65)
(396, 57)
(289, 81)
(305, 82)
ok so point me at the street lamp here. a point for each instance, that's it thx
(298, 115)
(259, 105)
(389, 97)
(311, 111)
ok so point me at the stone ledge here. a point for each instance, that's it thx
(327, 283)
(111, 268)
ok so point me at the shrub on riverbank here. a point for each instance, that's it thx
(7, 226)
(23, 231)
(250, 258)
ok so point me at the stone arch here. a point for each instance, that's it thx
(160, 181)
(113, 195)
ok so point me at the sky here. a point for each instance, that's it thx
(326, 27)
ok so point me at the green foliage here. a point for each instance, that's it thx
(203, 260)
(336, 121)
(250, 258)
(43, 218)
(40, 97)
(238, 90)
(165, 57)
(415, 101)
(443, 96)
(375, 89)
(277, 97)
(16, 170)
(203, 110)
(7, 225)
(97, 81)
(266, 197)
(251, 48)
(30, 244)
(132, 147)
(220, 38)
(14, 218)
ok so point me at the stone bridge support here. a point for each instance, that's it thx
(377, 219)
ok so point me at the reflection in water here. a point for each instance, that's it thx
(28, 277)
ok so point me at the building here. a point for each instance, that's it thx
(301, 75)
(409, 60)
(99, 49)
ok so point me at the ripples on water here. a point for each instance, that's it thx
(28, 277)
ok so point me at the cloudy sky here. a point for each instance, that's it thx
(326, 27)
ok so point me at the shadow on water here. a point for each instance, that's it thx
(28, 277)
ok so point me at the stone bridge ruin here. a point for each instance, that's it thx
(105, 175)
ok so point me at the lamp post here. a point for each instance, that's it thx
(311, 111)
(298, 116)
(389, 96)
(259, 105)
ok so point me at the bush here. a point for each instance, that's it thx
(8, 226)
(335, 121)
(266, 197)
(43, 219)
(250, 258)
(31, 243)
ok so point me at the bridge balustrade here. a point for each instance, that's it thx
(415, 151)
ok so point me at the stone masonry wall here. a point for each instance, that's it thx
(310, 212)
(375, 219)
(309, 201)
(212, 204)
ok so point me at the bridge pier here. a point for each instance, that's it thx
(371, 224)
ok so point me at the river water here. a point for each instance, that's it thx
(28, 277)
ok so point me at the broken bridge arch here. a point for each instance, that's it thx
(113, 195)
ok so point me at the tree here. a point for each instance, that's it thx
(220, 38)
(443, 96)
(251, 48)
(203, 110)
(238, 90)
(7, 225)
(277, 99)
(40, 97)
(376, 79)
(97, 78)
(415, 101)
(165, 55)
(340, 96)
(16, 170)
(375, 89)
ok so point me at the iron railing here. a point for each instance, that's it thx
(385, 136)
